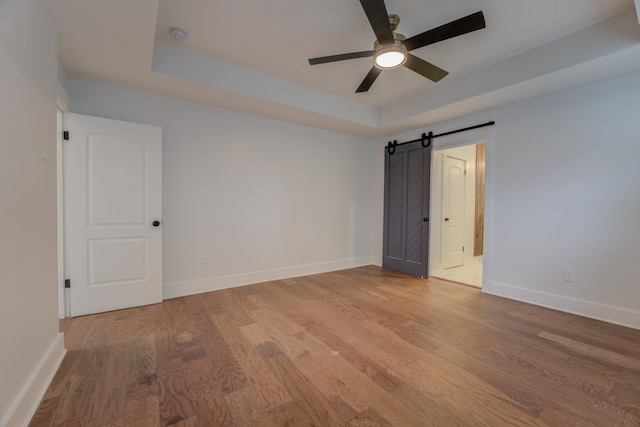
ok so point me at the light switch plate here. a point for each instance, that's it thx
(44, 149)
(569, 275)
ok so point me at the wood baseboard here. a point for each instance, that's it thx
(192, 287)
(616, 315)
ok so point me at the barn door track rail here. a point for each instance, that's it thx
(426, 138)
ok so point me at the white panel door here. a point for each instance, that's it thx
(453, 195)
(113, 237)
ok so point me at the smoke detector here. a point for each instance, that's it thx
(178, 33)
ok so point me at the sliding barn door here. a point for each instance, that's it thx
(406, 210)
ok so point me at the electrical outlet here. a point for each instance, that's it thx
(569, 275)
(305, 253)
(205, 261)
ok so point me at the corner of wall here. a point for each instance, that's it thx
(378, 203)
(27, 401)
(62, 89)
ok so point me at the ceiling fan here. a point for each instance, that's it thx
(391, 49)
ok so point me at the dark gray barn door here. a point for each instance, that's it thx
(406, 210)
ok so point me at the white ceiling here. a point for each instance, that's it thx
(252, 55)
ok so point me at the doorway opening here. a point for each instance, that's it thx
(63, 294)
(109, 214)
(457, 214)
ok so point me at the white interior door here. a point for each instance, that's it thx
(113, 237)
(453, 195)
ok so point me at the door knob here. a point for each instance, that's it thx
(156, 223)
(425, 219)
(446, 219)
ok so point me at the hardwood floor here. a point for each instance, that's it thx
(361, 347)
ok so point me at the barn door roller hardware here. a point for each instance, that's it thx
(426, 139)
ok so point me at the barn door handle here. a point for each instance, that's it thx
(156, 223)
(446, 219)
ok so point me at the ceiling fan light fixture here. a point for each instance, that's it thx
(390, 56)
(390, 59)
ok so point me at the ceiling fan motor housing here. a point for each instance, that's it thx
(394, 21)
(397, 46)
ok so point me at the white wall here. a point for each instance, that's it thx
(31, 347)
(563, 191)
(567, 195)
(263, 199)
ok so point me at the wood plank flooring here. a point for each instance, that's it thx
(360, 347)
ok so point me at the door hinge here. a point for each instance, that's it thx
(465, 171)
(67, 283)
(65, 135)
(463, 249)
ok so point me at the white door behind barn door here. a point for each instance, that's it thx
(112, 193)
(453, 204)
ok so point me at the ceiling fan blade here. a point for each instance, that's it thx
(341, 57)
(425, 68)
(455, 28)
(379, 19)
(368, 80)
